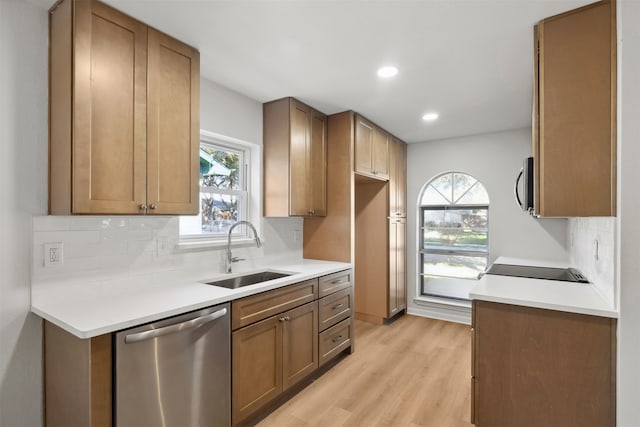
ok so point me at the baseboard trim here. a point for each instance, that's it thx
(438, 311)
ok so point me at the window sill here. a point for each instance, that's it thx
(196, 244)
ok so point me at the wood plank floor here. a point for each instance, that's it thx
(413, 372)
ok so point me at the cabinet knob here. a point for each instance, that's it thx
(143, 207)
(152, 206)
(311, 211)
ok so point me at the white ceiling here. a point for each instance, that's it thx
(471, 61)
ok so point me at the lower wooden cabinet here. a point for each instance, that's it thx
(536, 367)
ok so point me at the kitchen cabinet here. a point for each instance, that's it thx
(538, 367)
(574, 121)
(397, 179)
(295, 159)
(77, 379)
(371, 150)
(272, 355)
(397, 266)
(124, 115)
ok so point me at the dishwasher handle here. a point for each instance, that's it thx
(189, 324)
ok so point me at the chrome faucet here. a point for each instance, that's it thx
(231, 259)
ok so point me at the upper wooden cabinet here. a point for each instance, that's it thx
(371, 150)
(295, 159)
(123, 117)
(574, 126)
(397, 179)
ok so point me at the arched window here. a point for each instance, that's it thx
(454, 233)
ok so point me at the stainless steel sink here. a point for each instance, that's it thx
(249, 279)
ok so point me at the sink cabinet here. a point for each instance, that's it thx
(536, 367)
(295, 159)
(281, 337)
(574, 120)
(123, 115)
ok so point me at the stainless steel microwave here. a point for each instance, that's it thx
(526, 175)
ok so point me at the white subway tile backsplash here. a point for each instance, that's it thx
(123, 250)
(595, 260)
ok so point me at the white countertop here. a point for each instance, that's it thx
(112, 309)
(582, 298)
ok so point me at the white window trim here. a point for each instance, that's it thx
(254, 194)
(420, 297)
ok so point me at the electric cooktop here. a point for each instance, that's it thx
(548, 273)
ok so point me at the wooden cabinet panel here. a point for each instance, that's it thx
(295, 159)
(77, 379)
(173, 134)
(334, 282)
(299, 343)
(576, 105)
(397, 265)
(371, 150)
(109, 111)
(256, 380)
(536, 367)
(334, 340)
(124, 115)
(334, 308)
(248, 310)
(397, 178)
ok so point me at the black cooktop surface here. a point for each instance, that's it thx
(564, 274)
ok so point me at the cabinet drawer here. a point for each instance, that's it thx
(334, 340)
(246, 311)
(334, 308)
(335, 282)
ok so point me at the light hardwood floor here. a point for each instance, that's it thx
(413, 372)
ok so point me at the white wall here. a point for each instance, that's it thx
(23, 192)
(495, 160)
(628, 226)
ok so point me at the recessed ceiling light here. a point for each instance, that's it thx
(429, 117)
(387, 72)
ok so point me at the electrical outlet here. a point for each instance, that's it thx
(53, 255)
(296, 236)
(163, 245)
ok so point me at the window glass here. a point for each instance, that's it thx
(454, 231)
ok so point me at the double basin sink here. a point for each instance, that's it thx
(247, 280)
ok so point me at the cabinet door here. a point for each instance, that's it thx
(317, 164)
(363, 145)
(299, 343)
(173, 139)
(299, 165)
(109, 111)
(397, 269)
(397, 178)
(380, 155)
(577, 89)
(256, 367)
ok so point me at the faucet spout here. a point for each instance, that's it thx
(230, 258)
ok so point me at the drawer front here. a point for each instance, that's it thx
(246, 311)
(334, 308)
(334, 340)
(335, 282)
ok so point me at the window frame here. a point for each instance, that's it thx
(422, 251)
(249, 198)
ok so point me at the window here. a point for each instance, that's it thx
(454, 234)
(224, 190)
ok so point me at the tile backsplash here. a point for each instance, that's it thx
(591, 250)
(118, 250)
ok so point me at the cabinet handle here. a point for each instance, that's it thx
(337, 306)
(143, 207)
(152, 206)
(398, 213)
(336, 339)
(336, 281)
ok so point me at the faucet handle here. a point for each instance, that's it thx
(236, 259)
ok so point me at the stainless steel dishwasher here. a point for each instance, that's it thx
(175, 372)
